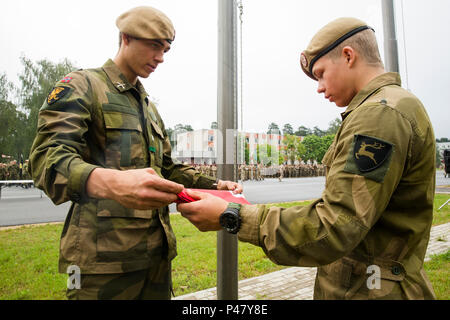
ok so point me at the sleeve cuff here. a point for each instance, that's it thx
(79, 173)
(249, 231)
(205, 182)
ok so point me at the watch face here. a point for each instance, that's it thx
(230, 221)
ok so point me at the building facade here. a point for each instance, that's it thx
(200, 147)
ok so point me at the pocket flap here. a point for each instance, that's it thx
(111, 208)
(396, 272)
(157, 129)
(121, 120)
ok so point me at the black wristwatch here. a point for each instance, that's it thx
(230, 219)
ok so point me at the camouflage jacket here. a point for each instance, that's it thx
(376, 209)
(96, 118)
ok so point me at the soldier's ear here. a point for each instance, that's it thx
(126, 38)
(349, 55)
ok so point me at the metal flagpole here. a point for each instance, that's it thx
(241, 92)
(227, 244)
(390, 39)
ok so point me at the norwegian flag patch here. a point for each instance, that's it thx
(66, 79)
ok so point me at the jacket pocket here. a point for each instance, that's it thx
(379, 279)
(124, 138)
(125, 235)
(391, 274)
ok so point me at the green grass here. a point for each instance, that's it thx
(195, 266)
(438, 271)
(29, 260)
(443, 215)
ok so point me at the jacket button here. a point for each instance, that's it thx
(396, 270)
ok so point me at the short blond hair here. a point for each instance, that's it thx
(365, 43)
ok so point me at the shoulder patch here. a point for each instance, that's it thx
(56, 94)
(369, 157)
(370, 153)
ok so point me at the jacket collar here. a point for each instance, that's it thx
(386, 79)
(119, 80)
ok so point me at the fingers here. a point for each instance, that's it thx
(144, 189)
(148, 199)
(196, 206)
(205, 213)
(230, 185)
(157, 196)
(163, 185)
(238, 188)
(192, 206)
(197, 195)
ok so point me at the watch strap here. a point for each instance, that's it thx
(234, 205)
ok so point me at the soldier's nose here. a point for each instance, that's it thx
(320, 88)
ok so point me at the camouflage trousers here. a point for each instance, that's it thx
(154, 283)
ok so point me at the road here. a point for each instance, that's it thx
(24, 206)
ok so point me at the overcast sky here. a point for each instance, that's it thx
(274, 33)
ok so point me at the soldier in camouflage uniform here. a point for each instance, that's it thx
(102, 145)
(281, 173)
(214, 170)
(369, 232)
(13, 169)
(2, 171)
(25, 173)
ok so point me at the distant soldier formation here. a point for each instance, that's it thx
(258, 172)
(14, 170)
(206, 169)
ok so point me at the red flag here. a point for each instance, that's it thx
(227, 195)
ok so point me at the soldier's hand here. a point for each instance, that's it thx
(136, 189)
(230, 185)
(204, 213)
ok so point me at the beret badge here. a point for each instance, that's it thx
(303, 60)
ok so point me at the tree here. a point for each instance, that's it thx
(334, 126)
(318, 132)
(311, 144)
(11, 129)
(303, 131)
(293, 147)
(172, 138)
(325, 145)
(13, 122)
(179, 128)
(5, 87)
(36, 81)
(173, 133)
(287, 129)
(316, 147)
(246, 151)
(273, 129)
(265, 154)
